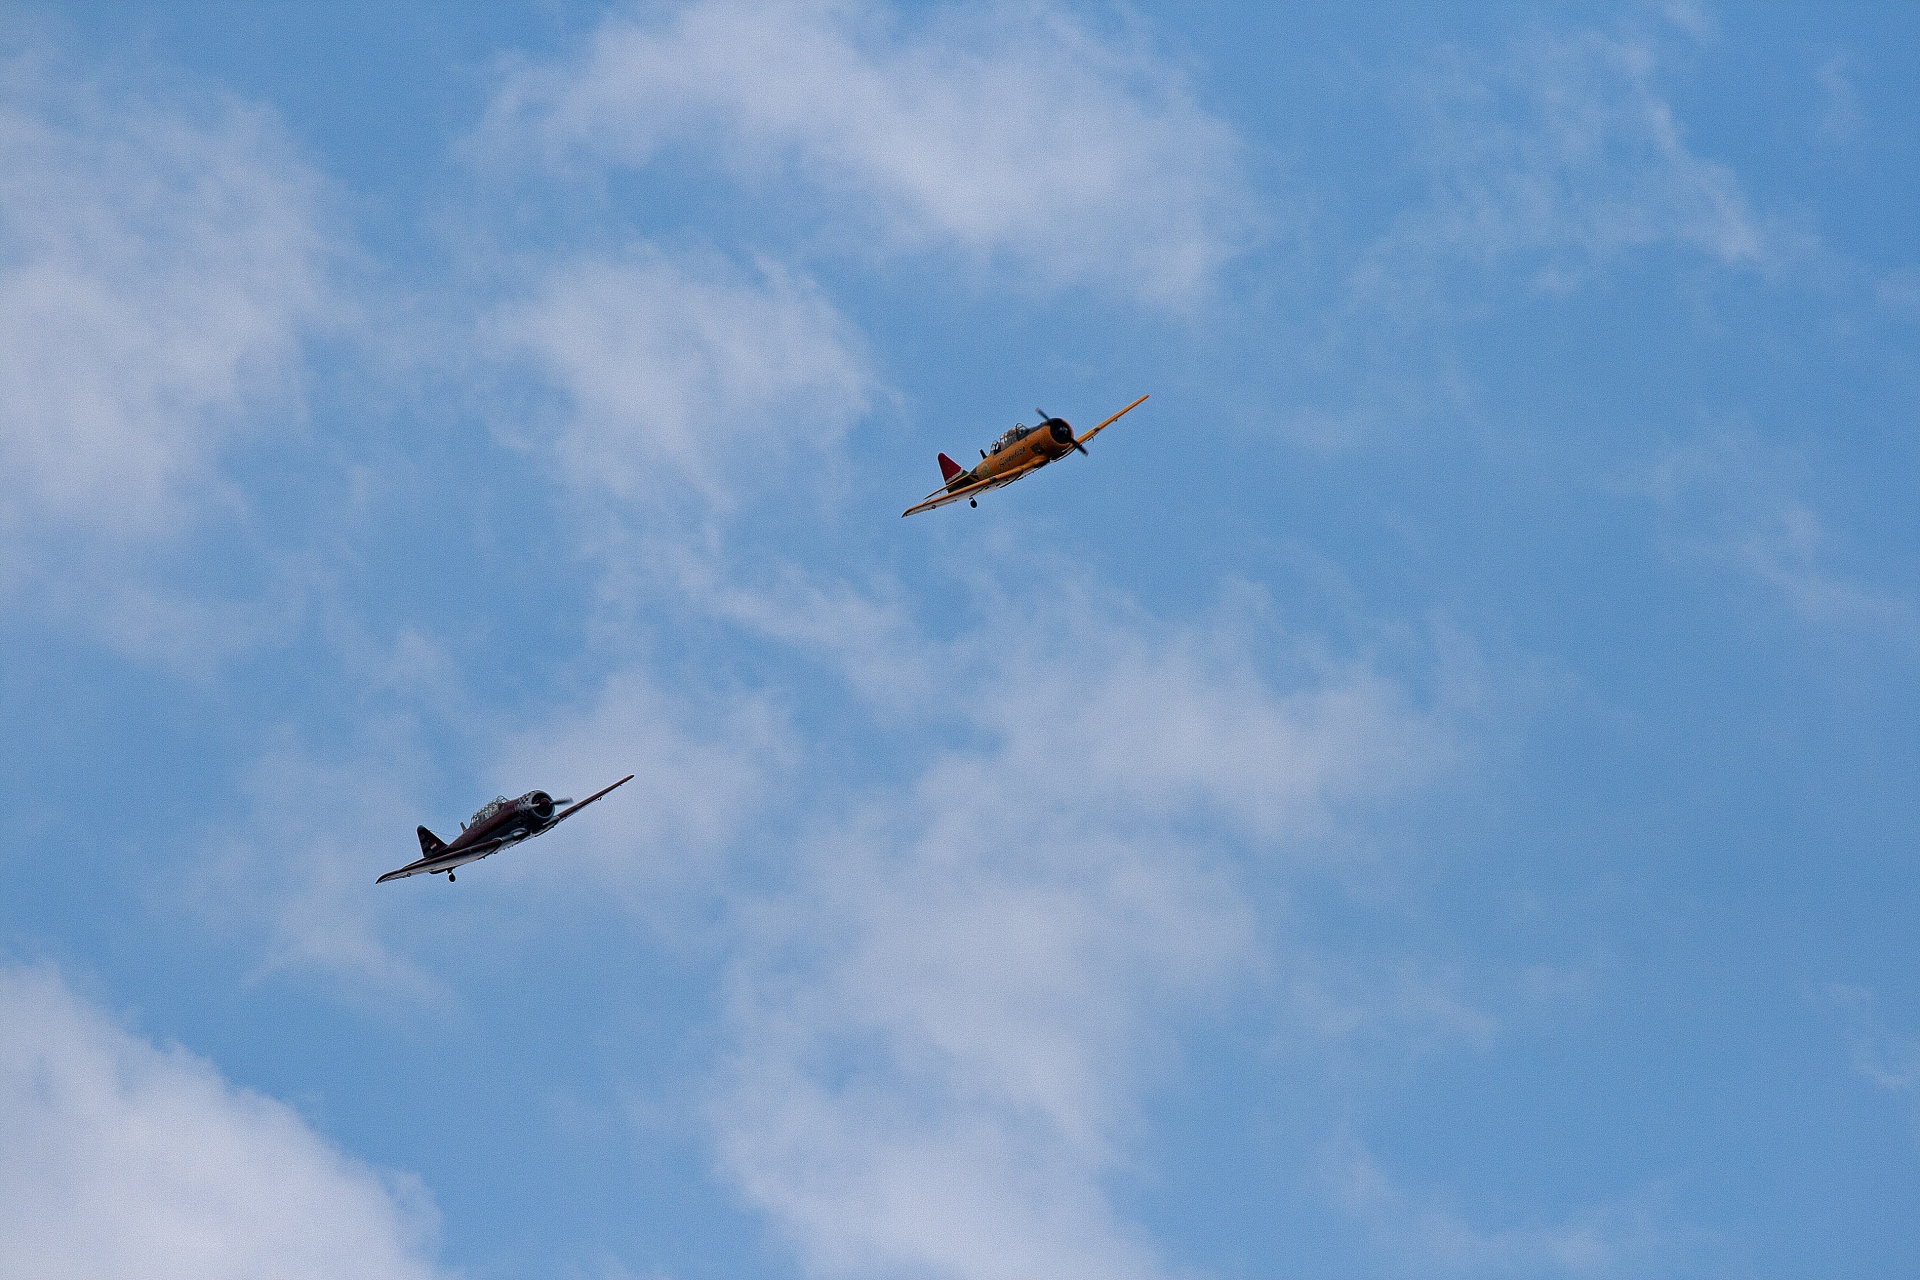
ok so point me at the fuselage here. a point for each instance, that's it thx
(500, 824)
(1018, 452)
(508, 821)
(1021, 449)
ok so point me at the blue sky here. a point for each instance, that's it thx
(1431, 795)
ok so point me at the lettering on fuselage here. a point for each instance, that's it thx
(1033, 445)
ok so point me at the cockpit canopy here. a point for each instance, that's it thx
(487, 810)
(1017, 431)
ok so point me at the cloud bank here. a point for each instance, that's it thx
(943, 1023)
(118, 1158)
(1007, 134)
(159, 267)
(680, 374)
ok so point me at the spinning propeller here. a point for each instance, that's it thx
(1062, 433)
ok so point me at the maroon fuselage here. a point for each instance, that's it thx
(499, 824)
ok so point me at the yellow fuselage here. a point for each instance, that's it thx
(1037, 448)
(1016, 453)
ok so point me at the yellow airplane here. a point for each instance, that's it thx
(1019, 452)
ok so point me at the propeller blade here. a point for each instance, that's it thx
(1082, 448)
(558, 803)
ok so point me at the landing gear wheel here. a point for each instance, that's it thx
(449, 877)
(973, 502)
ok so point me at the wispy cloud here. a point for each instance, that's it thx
(1790, 552)
(681, 376)
(947, 993)
(121, 1158)
(1011, 134)
(1554, 159)
(166, 255)
(1840, 116)
(1421, 1236)
(934, 1049)
(160, 264)
(1533, 169)
(1882, 1055)
(296, 869)
(1735, 499)
(943, 1017)
(706, 767)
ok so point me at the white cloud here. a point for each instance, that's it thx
(1004, 132)
(943, 1022)
(1347, 1014)
(703, 769)
(948, 989)
(119, 1159)
(1695, 19)
(1736, 498)
(159, 265)
(1880, 1054)
(680, 376)
(1535, 168)
(1182, 726)
(1790, 551)
(293, 870)
(937, 1043)
(1418, 1236)
(298, 867)
(1561, 156)
(868, 637)
(1840, 119)
(933, 1055)
(1899, 291)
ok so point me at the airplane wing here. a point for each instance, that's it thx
(941, 497)
(411, 869)
(570, 810)
(1110, 421)
(448, 857)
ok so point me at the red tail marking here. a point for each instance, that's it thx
(949, 468)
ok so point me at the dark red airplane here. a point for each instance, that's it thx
(501, 822)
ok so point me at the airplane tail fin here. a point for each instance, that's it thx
(430, 843)
(949, 468)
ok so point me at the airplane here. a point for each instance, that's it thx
(1018, 452)
(499, 824)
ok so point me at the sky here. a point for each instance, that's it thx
(1431, 795)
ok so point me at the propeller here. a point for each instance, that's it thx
(544, 804)
(1062, 433)
(561, 804)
